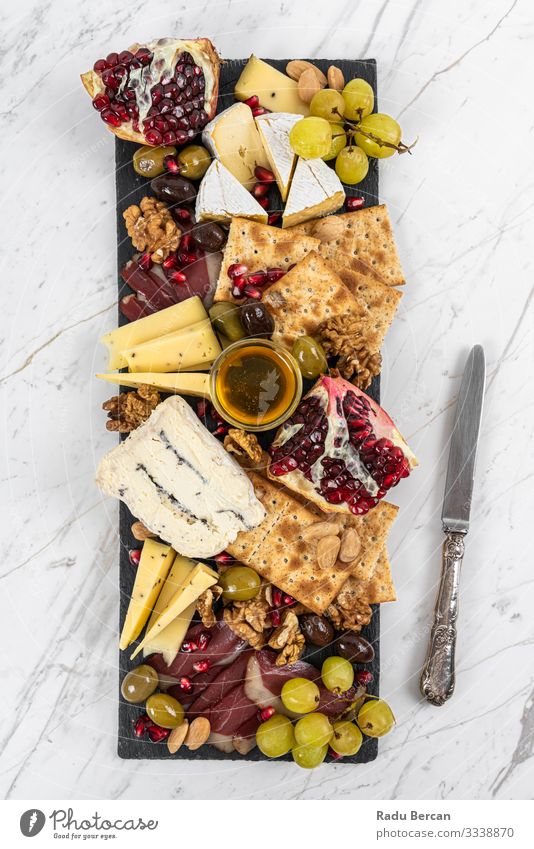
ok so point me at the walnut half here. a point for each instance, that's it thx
(129, 410)
(287, 639)
(151, 228)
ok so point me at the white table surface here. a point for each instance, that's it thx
(459, 75)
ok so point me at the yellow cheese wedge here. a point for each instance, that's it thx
(232, 137)
(154, 565)
(184, 383)
(200, 579)
(275, 90)
(159, 323)
(168, 642)
(175, 351)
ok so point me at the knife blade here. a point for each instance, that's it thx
(462, 453)
(438, 675)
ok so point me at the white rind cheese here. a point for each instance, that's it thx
(316, 190)
(180, 482)
(221, 197)
(274, 130)
(232, 137)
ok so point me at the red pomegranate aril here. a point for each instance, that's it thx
(354, 203)
(142, 724)
(277, 597)
(274, 218)
(187, 258)
(122, 111)
(274, 274)
(169, 262)
(129, 94)
(253, 101)
(171, 164)
(119, 72)
(203, 640)
(237, 269)
(185, 684)
(282, 467)
(224, 558)
(260, 111)
(110, 117)
(334, 755)
(153, 137)
(100, 102)
(252, 292)
(144, 55)
(156, 95)
(201, 666)
(182, 214)
(288, 600)
(259, 278)
(275, 618)
(263, 202)
(135, 556)
(187, 243)
(260, 190)
(181, 136)
(238, 287)
(172, 120)
(108, 78)
(112, 59)
(363, 677)
(222, 430)
(178, 277)
(125, 57)
(169, 137)
(263, 175)
(100, 65)
(160, 123)
(266, 713)
(145, 261)
(189, 646)
(158, 734)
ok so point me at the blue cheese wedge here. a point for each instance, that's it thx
(177, 479)
(316, 190)
(232, 137)
(274, 129)
(221, 197)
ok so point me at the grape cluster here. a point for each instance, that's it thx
(342, 126)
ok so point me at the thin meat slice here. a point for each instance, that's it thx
(244, 739)
(225, 680)
(224, 646)
(228, 715)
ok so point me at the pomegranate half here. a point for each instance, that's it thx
(340, 449)
(163, 92)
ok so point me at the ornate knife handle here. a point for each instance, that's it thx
(437, 677)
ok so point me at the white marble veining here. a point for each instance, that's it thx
(459, 76)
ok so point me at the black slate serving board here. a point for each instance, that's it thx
(130, 188)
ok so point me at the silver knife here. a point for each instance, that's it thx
(438, 677)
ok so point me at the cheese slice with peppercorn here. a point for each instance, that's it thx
(316, 190)
(221, 197)
(154, 565)
(184, 383)
(177, 479)
(170, 639)
(274, 90)
(175, 351)
(274, 129)
(232, 138)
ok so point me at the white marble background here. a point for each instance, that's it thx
(459, 75)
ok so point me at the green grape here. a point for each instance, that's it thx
(239, 583)
(328, 104)
(339, 140)
(308, 757)
(275, 737)
(352, 165)
(347, 738)
(376, 718)
(164, 710)
(358, 95)
(300, 695)
(382, 127)
(311, 137)
(314, 729)
(337, 674)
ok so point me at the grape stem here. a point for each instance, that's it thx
(354, 127)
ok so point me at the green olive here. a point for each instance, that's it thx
(195, 161)
(240, 583)
(139, 684)
(310, 356)
(225, 319)
(148, 161)
(164, 710)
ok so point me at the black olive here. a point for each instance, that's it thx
(209, 236)
(171, 188)
(256, 319)
(316, 629)
(355, 648)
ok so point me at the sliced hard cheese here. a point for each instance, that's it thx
(316, 190)
(165, 321)
(175, 351)
(275, 90)
(200, 579)
(274, 131)
(169, 641)
(184, 383)
(154, 565)
(232, 138)
(221, 197)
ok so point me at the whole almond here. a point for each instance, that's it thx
(140, 532)
(327, 551)
(296, 68)
(198, 733)
(177, 736)
(319, 530)
(350, 545)
(335, 78)
(308, 85)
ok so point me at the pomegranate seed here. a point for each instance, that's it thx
(185, 684)
(202, 408)
(252, 292)
(157, 734)
(253, 101)
(100, 102)
(277, 597)
(204, 640)
(354, 203)
(100, 65)
(135, 556)
(363, 677)
(274, 218)
(222, 430)
(169, 137)
(259, 190)
(189, 646)
(112, 59)
(141, 725)
(145, 261)
(183, 214)
(264, 175)
(224, 558)
(178, 277)
(170, 262)
(289, 601)
(125, 57)
(274, 274)
(266, 713)
(110, 117)
(187, 242)
(258, 279)
(282, 467)
(275, 618)
(144, 55)
(237, 269)
(239, 287)
(153, 137)
(201, 666)
(264, 202)
(170, 163)
(334, 755)
(187, 258)
(259, 111)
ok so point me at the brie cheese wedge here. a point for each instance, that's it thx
(221, 197)
(316, 190)
(232, 137)
(274, 129)
(178, 480)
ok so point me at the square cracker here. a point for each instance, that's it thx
(259, 247)
(377, 589)
(378, 300)
(363, 242)
(307, 296)
(278, 552)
